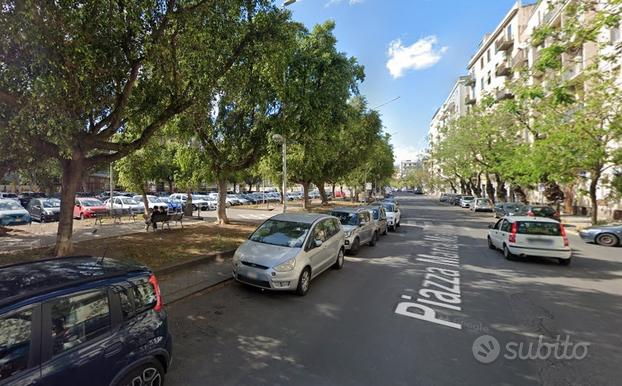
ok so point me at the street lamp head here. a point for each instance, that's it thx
(278, 138)
(288, 2)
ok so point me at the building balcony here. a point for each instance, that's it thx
(520, 59)
(504, 43)
(503, 69)
(469, 100)
(552, 13)
(503, 94)
(469, 80)
(572, 70)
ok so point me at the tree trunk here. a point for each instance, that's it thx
(71, 175)
(502, 193)
(593, 187)
(568, 198)
(222, 202)
(453, 187)
(320, 186)
(145, 201)
(519, 194)
(490, 189)
(188, 208)
(305, 196)
(333, 191)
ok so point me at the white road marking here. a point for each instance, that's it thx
(407, 297)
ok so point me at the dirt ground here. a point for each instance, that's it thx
(155, 249)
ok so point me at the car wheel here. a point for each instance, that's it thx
(490, 244)
(607, 240)
(340, 260)
(194, 208)
(564, 261)
(150, 374)
(373, 240)
(386, 230)
(303, 282)
(506, 253)
(354, 249)
(82, 216)
(398, 223)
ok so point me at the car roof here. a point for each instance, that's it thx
(530, 219)
(349, 209)
(307, 218)
(26, 280)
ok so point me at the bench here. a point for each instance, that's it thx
(115, 215)
(165, 219)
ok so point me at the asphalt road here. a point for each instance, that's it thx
(346, 331)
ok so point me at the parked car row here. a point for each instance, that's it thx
(288, 250)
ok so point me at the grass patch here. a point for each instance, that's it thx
(155, 249)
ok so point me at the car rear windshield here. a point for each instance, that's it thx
(389, 207)
(283, 233)
(10, 205)
(91, 203)
(546, 211)
(346, 218)
(468, 198)
(539, 228)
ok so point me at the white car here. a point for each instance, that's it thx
(394, 214)
(198, 201)
(152, 201)
(126, 204)
(530, 236)
(466, 201)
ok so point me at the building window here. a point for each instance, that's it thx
(481, 83)
(488, 55)
(481, 62)
(489, 77)
(508, 32)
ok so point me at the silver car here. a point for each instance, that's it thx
(288, 250)
(358, 226)
(379, 215)
(482, 205)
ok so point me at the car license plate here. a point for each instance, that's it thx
(252, 275)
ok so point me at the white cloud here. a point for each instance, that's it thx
(334, 2)
(420, 55)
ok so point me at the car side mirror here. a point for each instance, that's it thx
(318, 243)
(37, 206)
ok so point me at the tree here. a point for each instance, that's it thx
(233, 120)
(73, 75)
(136, 170)
(318, 83)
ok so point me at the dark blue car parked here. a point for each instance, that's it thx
(82, 321)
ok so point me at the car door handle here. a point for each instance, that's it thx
(113, 349)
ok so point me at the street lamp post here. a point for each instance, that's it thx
(281, 140)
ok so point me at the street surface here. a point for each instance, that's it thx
(407, 312)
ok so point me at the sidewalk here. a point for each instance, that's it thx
(576, 223)
(177, 282)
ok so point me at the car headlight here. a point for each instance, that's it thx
(347, 233)
(49, 213)
(286, 266)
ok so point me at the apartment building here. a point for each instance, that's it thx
(498, 53)
(453, 107)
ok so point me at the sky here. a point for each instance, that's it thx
(411, 49)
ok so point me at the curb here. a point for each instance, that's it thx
(175, 267)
